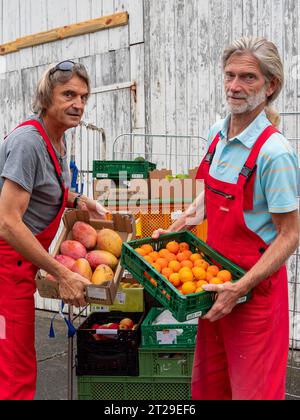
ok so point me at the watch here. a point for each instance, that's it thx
(77, 198)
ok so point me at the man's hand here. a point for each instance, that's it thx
(227, 297)
(95, 209)
(156, 234)
(72, 289)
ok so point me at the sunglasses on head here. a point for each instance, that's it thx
(63, 66)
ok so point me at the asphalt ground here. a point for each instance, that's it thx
(52, 356)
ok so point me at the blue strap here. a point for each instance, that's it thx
(71, 328)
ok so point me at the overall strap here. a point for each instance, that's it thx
(250, 166)
(206, 162)
(52, 154)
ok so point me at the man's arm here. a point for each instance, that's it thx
(193, 216)
(287, 240)
(14, 201)
(95, 209)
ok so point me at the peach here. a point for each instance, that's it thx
(73, 249)
(102, 274)
(65, 260)
(83, 268)
(110, 241)
(85, 234)
(96, 258)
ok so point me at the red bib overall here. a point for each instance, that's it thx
(244, 355)
(17, 288)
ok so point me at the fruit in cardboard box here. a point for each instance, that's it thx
(83, 268)
(110, 241)
(96, 258)
(65, 261)
(73, 249)
(102, 274)
(85, 234)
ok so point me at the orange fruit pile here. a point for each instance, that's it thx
(187, 271)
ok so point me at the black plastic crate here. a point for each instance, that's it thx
(116, 354)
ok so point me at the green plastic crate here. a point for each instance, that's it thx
(106, 169)
(160, 363)
(167, 335)
(133, 388)
(183, 308)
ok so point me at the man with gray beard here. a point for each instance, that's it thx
(250, 201)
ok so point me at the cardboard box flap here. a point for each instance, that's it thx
(159, 173)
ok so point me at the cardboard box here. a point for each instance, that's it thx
(175, 190)
(127, 299)
(105, 293)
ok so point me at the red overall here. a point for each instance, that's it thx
(243, 356)
(17, 288)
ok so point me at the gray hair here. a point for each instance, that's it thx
(266, 53)
(44, 91)
(270, 63)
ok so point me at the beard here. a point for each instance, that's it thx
(251, 101)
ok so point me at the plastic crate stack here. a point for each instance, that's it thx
(164, 364)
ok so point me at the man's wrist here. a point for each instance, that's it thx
(76, 200)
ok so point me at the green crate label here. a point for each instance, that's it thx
(194, 315)
(166, 337)
(102, 176)
(137, 176)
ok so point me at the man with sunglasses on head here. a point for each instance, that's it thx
(34, 194)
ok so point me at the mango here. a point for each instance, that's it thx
(96, 258)
(85, 234)
(65, 260)
(73, 249)
(83, 268)
(102, 274)
(110, 241)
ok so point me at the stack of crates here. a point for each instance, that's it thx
(165, 362)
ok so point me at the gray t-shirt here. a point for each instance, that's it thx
(24, 159)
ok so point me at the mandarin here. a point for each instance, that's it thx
(154, 255)
(209, 277)
(173, 247)
(199, 273)
(148, 259)
(201, 283)
(141, 251)
(181, 256)
(195, 257)
(175, 280)
(171, 257)
(163, 252)
(186, 275)
(216, 280)
(183, 246)
(157, 267)
(166, 272)
(225, 275)
(175, 266)
(213, 269)
(201, 263)
(199, 290)
(187, 263)
(148, 248)
(163, 262)
(188, 254)
(152, 281)
(189, 288)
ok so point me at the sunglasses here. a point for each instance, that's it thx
(67, 65)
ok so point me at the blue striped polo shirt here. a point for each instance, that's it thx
(276, 177)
